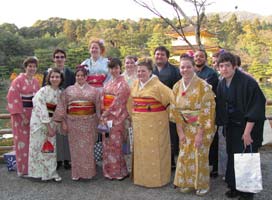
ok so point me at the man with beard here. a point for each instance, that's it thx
(168, 74)
(211, 77)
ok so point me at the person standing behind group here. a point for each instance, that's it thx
(115, 95)
(19, 99)
(168, 75)
(130, 73)
(42, 129)
(241, 110)
(211, 77)
(97, 65)
(63, 150)
(78, 112)
(194, 113)
(149, 101)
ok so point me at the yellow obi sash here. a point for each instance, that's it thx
(108, 99)
(190, 116)
(147, 104)
(51, 108)
(81, 108)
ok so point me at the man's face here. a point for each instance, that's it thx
(59, 59)
(226, 69)
(200, 58)
(160, 57)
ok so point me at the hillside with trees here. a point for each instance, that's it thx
(249, 38)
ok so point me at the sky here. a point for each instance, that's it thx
(27, 12)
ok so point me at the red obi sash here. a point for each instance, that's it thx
(96, 80)
(51, 108)
(81, 108)
(147, 104)
(108, 99)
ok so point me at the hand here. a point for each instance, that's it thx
(25, 121)
(182, 138)
(64, 126)
(247, 139)
(199, 138)
(51, 131)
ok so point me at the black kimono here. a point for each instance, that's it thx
(241, 102)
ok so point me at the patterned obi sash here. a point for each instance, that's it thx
(81, 108)
(51, 108)
(27, 100)
(96, 80)
(190, 116)
(108, 99)
(147, 105)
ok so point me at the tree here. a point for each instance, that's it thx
(196, 22)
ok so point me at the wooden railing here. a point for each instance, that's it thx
(5, 131)
(9, 131)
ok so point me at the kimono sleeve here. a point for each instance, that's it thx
(39, 104)
(61, 109)
(15, 105)
(255, 103)
(119, 101)
(175, 115)
(206, 117)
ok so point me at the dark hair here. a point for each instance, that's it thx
(82, 68)
(185, 56)
(163, 48)
(216, 55)
(114, 62)
(59, 51)
(146, 62)
(227, 57)
(29, 60)
(238, 60)
(205, 53)
(56, 70)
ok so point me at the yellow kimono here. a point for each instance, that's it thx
(150, 120)
(194, 107)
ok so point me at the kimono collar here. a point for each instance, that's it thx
(142, 85)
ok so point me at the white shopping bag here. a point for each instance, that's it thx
(248, 176)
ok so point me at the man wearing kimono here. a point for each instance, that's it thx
(241, 110)
(211, 77)
(63, 150)
(168, 74)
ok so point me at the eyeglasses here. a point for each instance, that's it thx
(59, 57)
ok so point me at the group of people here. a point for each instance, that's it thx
(172, 111)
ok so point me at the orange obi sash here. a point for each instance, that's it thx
(147, 104)
(81, 108)
(96, 80)
(108, 99)
(51, 108)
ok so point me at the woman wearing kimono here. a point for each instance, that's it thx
(78, 112)
(130, 73)
(149, 100)
(115, 96)
(19, 99)
(193, 111)
(43, 162)
(97, 65)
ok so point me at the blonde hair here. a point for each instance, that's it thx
(100, 43)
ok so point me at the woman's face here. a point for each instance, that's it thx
(186, 69)
(95, 50)
(31, 69)
(115, 71)
(81, 78)
(55, 79)
(143, 73)
(130, 65)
